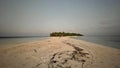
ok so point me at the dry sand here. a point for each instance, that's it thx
(61, 52)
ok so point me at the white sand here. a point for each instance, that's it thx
(61, 52)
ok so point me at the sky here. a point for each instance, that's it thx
(41, 17)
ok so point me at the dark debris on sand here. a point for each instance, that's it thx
(64, 58)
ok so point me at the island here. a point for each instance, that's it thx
(59, 34)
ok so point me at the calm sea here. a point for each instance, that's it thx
(111, 41)
(11, 41)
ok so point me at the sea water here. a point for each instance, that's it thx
(4, 42)
(111, 41)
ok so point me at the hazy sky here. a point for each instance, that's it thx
(40, 17)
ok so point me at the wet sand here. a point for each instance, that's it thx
(58, 52)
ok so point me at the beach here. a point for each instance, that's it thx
(59, 52)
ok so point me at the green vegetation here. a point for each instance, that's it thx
(56, 34)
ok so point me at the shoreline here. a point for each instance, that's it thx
(101, 41)
(11, 42)
(64, 52)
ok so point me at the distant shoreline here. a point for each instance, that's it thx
(21, 36)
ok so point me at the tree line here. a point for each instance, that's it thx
(56, 34)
